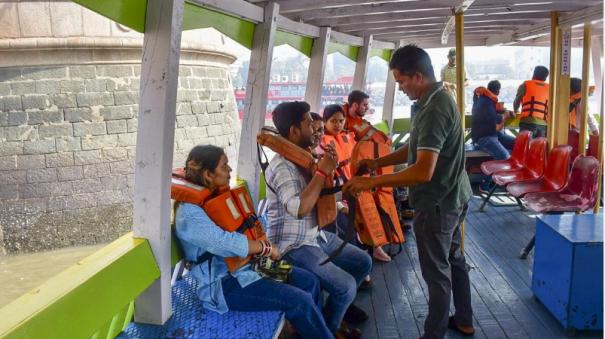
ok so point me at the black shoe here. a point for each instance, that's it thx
(464, 330)
(355, 315)
(365, 285)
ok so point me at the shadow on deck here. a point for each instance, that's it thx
(503, 303)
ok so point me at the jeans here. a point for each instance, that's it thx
(497, 145)
(443, 267)
(340, 277)
(297, 299)
(536, 130)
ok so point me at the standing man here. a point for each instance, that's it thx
(448, 74)
(532, 96)
(439, 189)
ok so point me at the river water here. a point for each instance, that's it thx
(22, 273)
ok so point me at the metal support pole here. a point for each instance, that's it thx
(460, 87)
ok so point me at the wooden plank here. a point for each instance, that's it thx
(361, 66)
(561, 100)
(255, 103)
(239, 8)
(154, 150)
(93, 290)
(503, 252)
(554, 52)
(404, 317)
(317, 68)
(383, 310)
(585, 80)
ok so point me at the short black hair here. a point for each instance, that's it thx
(410, 59)
(316, 116)
(288, 114)
(357, 96)
(575, 85)
(330, 110)
(540, 73)
(494, 86)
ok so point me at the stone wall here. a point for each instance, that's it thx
(68, 126)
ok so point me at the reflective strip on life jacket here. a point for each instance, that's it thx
(535, 101)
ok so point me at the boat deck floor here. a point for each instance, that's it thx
(503, 303)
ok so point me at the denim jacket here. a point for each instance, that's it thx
(198, 234)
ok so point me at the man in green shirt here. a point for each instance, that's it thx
(439, 189)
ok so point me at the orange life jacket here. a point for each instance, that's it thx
(482, 91)
(326, 204)
(362, 129)
(574, 102)
(377, 220)
(535, 101)
(343, 142)
(230, 209)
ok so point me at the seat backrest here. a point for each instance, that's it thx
(520, 146)
(557, 165)
(573, 140)
(536, 156)
(583, 180)
(593, 145)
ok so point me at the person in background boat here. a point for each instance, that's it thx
(532, 98)
(439, 190)
(575, 107)
(344, 142)
(293, 226)
(242, 290)
(488, 123)
(448, 74)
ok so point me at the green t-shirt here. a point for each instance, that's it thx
(436, 127)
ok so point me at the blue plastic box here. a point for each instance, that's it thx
(568, 269)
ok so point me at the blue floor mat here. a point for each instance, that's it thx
(191, 320)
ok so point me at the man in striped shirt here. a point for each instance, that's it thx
(292, 222)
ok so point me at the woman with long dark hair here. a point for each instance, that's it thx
(243, 289)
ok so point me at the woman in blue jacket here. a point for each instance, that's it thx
(244, 289)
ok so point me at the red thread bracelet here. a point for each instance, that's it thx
(321, 173)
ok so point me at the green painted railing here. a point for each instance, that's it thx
(93, 298)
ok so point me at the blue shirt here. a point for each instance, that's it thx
(485, 118)
(198, 234)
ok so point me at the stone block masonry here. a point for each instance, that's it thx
(67, 147)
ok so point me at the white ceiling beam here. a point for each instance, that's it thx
(239, 8)
(436, 42)
(300, 28)
(528, 32)
(382, 45)
(419, 16)
(433, 5)
(317, 69)
(346, 39)
(450, 25)
(468, 22)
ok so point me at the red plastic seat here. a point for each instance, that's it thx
(516, 159)
(555, 174)
(573, 140)
(533, 167)
(578, 195)
(593, 145)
